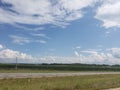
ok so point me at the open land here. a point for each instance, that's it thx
(59, 77)
(83, 82)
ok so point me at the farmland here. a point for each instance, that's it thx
(56, 67)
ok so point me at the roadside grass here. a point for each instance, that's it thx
(43, 71)
(26, 71)
(87, 82)
(34, 71)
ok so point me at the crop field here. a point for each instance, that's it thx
(55, 68)
(87, 82)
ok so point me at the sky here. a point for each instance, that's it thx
(60, 31)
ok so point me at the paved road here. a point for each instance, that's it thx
(33, 75)
(114, 89)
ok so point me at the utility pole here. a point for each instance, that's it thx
(16, 63)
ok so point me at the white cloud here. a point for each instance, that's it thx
(9, 56)
(1, 46)
(40, 35)
(94, 57)
(28, 28)
(76, 53)
(78, 47)
(41, 41)
(8, 53)
(115, 52)
(89, 51)
(109, 13)
(57, 12)
(110, 56)
(39, 12)
(20, 40)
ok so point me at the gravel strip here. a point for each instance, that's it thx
(33, 75)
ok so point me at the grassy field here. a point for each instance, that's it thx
(90, 82)
(38, 71)
(31, 71)
(56, 67)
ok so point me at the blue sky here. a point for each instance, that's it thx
(82, 31)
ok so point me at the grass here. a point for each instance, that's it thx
(42, 71)
(60, 67)
(32, 71)
(87, 82)
(26, 71)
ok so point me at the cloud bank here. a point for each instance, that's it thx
(109, 56)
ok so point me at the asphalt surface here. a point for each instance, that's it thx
(39, 75)
(114, 89)
(36, 75)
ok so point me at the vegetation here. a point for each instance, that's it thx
(91, 82)
(57, 67)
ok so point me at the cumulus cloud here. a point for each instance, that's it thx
(109, 13)
(9, 56)
(110, 56)
(8, 53)
(92, 57)
(115, 52)
(39, 12)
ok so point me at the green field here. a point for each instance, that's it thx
(56, 67)
(33, 71)
(87, 82)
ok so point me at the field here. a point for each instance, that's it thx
(32, 68)
(86, 82)
(31, 71)
(90, 82)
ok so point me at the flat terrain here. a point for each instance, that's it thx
(59, 77)
(83, 82)
(34, 75)
(114, 89)
(57, 67)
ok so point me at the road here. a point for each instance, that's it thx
(35, 75)
(114, 89)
